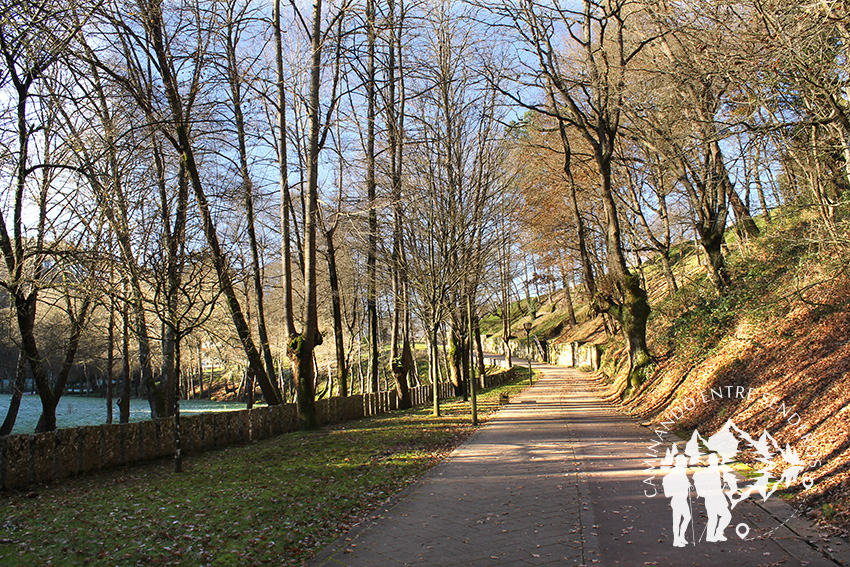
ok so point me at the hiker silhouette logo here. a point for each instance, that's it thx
(700, 479)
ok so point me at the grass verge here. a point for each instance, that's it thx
(275, 502)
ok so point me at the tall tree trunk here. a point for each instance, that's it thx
(173, 238)
(531, 307)
(154, 23)
(672, 286)
(578, 218)
(712, 244)
(165, 387)
(336, 307)
(456, 356)
(401, 370)
(178, 433)
(235, 80)
(285, 200)
(401, 359)
(300, 348)
(401, 355)
(633, 312)
(712, 228)
(372, 245)
(505, 279)
(506, 316)
(305, 402)
(155, 400)
(201, 372)
(25, 312)
(434, 366)
(17, 393)
(110, 358)
(466, 369)
(479, 349)
(760, 186)
(744, 224)
(126, 379)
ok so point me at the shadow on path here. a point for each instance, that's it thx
(556, 478)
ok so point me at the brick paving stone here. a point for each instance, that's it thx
(555, 478)
(631, 529)
(506, 491)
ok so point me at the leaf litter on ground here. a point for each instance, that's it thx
(274, 502)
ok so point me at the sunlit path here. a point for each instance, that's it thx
(555, 478)
(510, 495)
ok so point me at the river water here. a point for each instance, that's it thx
(74, 411)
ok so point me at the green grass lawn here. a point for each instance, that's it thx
(275, 502)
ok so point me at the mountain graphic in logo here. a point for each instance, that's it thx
(703, 472)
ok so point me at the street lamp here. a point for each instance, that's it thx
(527, 327)
(472, 384)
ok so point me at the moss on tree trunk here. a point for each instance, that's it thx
(300, 352)
(400, 368)
(712, 244)
(632, 315)
(456, 356)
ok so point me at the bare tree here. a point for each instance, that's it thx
(237, 18)
(155, 44)
(646, 191)
(371, 196)
(33, 38)
(455, 170)
(301, 346)
(401, 356)
(586, 82)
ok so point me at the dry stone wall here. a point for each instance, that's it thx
(31, 459)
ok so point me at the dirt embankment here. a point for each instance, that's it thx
(794, 366)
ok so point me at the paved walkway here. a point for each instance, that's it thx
(556, 479)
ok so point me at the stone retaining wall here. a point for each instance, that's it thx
(575, 355)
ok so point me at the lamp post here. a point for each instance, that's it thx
(527, 327)
(472, 379)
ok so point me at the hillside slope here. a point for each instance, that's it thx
(781, 333)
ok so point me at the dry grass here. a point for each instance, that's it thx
(782, 331)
